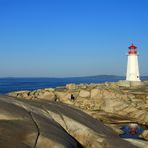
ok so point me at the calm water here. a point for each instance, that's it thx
(15, 84)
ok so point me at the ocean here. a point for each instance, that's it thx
(16, 84)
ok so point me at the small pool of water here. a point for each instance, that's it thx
(132, 132)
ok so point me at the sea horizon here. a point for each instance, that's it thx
(11, 84)
(60, 77)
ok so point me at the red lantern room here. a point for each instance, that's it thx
(132, 49)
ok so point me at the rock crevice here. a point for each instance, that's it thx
(38, 130)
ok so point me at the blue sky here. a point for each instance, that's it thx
(58, 38)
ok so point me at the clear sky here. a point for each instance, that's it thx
(59, 38)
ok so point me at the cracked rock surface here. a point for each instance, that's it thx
(44, 124)
(25, 126)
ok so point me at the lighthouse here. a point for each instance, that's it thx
(132, 64)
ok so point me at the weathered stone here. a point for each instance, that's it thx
(60, 94)
(84, 94)
(85, 103)
(49, 89)
(144, 135)
(109, 98)
(138, 143)
(124, 83)
(71, 86)
(24, 126)
(94, 93)
(47, 95)
(25, 123)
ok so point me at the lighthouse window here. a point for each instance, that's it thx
(137, 77)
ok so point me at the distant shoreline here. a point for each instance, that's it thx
(95, 76)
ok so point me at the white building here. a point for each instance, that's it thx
(132, 65)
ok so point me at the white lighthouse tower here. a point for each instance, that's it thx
(132, 65)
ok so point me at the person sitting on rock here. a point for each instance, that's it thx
(72, 97)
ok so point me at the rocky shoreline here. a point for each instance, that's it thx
(112, 104)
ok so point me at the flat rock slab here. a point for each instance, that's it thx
(21, 127)
(16, 127)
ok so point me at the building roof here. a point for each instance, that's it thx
(132, 47)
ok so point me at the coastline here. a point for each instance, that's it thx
(108, 106)
(109, 97)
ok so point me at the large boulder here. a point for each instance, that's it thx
(84, 94)
(71, 86)
(95, 93)
(20, 94)
(47, 95)
(24, 126)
